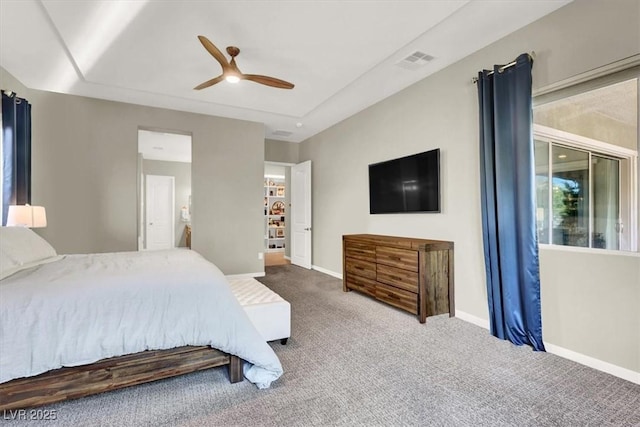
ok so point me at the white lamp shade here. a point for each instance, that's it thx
(27, 216)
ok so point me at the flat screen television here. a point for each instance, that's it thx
(407, 184)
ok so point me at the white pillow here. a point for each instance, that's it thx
(20, 246)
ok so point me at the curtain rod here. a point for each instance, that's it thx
(532, 55)
(12, 94)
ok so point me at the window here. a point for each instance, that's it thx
(586, 188)
(582, 206)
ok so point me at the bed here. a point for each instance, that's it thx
(73, 325)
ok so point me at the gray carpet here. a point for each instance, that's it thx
(354, 361)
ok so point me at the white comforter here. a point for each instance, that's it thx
(83, 308)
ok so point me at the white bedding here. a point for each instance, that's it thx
(83, 308)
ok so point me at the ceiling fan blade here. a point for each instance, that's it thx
(214, 51)
(269, 81)
(209, 82)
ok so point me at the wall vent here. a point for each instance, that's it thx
(281, 132)
(414, 61)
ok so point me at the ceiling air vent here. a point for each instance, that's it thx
(414, 61)
(280, 132)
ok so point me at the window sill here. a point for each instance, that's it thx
(594, 251)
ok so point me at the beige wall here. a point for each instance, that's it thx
(84, 163)
(181, 171)
(441, 111)
(281, 151)
(8, 82)
(228, 171)
(591, 304)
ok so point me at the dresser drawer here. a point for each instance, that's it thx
(357, 267)
(407, 280)
(361, 284)
(397, 297)
(360, 251)
(400, 258)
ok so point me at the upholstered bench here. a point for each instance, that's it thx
(270, 314)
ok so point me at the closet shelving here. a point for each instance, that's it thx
(274, 213)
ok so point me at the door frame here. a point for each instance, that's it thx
(140, 182)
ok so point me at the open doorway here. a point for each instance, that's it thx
(287, 212)
(277, 239)
(164, 190)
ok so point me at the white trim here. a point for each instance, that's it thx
(593, 251)
(609, 368)
(325, 271)
(279, 163)
(600, 365)
(623, 64)
(287, 257)
(245, 275)
(483, 323)
(579, 141)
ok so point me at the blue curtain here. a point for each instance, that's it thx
(507, 172)
(16, 152)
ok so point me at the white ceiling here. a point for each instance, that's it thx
(340, 55)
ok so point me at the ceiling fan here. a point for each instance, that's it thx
(230, 71)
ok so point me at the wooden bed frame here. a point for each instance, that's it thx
(113, 373)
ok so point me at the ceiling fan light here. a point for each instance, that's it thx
(232, 79)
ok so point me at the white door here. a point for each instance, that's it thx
(301, 214)
(160, 218)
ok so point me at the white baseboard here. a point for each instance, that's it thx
(245, 275)
(325, 271)
(472, 319)
(287, 258)
(600, 365)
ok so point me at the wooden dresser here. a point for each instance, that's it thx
(415, 275)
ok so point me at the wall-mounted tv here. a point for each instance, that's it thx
(407, 184)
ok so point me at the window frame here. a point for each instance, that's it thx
(628, 175)
(1, 166)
